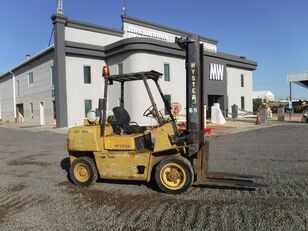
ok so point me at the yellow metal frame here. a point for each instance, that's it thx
(120, 142)
(115, 155)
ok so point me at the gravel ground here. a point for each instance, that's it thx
(35, 193)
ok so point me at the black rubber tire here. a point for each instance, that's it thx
(91, 168)
(305, 119)
(185, 164)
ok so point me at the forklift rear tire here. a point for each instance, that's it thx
(83, 172)
(174, 175)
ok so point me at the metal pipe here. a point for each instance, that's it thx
(152, 100)
(103, 119)
(122, 95)
(14, 95)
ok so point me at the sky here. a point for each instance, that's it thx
(274, 33)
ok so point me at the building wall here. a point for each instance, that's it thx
(89, 37)
(78, 91)
(235, 91)
(136, 97)
(40, 91)
(133, 60)
(6, 100)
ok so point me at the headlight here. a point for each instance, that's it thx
(91, 116)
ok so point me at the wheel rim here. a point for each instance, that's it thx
(173, 176)
(81, 173)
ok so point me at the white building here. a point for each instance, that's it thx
(264, 95)
(64, 81)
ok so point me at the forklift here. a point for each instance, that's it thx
(116, 148)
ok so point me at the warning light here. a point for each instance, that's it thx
(106, 71)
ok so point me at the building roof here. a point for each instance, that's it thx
(261, 94)
(31, 59)
(299, 78)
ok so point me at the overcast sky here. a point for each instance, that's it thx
(274, 33)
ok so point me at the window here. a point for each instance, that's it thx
(87, 106)
(54, 110)
(120, 68)
(168, 99)
(87, 74)
(31, 111)
(167, 72)
(242, 80)
(243, 103)
(17, 86)
(52, 73)
(30, 78)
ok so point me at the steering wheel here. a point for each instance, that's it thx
(149, 112)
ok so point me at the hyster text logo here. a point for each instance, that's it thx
(216, 72)
(194, 80)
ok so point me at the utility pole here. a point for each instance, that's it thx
(60, 7)
(290, 102)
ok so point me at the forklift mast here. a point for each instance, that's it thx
(194, 92)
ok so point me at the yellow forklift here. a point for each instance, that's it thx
(116, 148)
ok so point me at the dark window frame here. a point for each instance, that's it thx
(242, 80)
(87, 79)
(243, 102)
(30, 77)
(167, 76)
(52, 73)
(170, 97)
(18, 87)
(86, 110)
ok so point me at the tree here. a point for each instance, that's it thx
(256, 104)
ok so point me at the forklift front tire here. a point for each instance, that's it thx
(174, 175)
(83, 172)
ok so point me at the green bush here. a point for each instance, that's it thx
(256, 104)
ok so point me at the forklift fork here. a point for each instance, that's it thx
(223, 179)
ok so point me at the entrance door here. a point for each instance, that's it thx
(42, 116)
(215, 99)
(20, 112)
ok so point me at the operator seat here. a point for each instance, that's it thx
(123, 121)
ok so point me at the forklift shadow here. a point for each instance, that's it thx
(150, 185)
(295, 122)
(224, 187)
(65, 165)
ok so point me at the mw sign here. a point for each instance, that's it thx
(217, 72)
